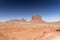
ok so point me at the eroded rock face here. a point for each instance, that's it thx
(17, 21)
(37, 19)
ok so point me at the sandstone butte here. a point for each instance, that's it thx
(35, 29)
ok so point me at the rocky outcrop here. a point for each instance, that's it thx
(37, 19)
(23, 20)
(17, 21)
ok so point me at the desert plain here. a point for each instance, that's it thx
(35, 29)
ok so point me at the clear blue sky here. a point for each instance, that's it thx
(17, 9)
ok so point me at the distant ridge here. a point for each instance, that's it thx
(16, 20)
(35, 19)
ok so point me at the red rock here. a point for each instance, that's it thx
(16, 21)
(37, 19)
(22, 20)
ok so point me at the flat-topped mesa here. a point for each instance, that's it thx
(13, 21)
(17, 21)
(23, 20)
(37, 19)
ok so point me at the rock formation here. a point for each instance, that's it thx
(17, 21)
(37, 19)
(23, 20)
(13, 21)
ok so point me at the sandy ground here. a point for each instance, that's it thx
(24, 33)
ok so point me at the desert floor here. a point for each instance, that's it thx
(29, 33)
